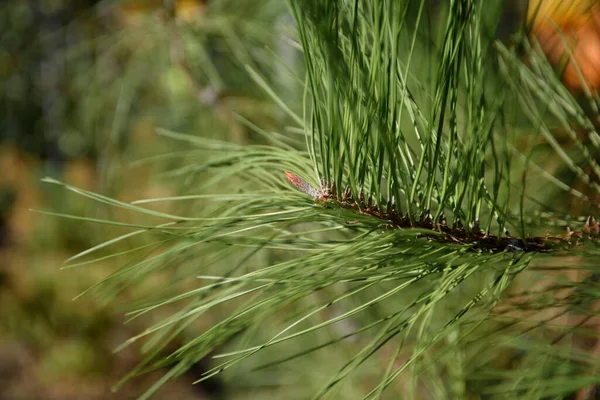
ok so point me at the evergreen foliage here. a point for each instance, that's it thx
(391, 271)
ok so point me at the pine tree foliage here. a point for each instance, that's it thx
(385, 268)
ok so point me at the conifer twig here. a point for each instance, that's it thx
(471, 236)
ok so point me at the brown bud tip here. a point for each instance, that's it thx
(301, 184)
(295, 179)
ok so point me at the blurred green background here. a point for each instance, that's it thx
(84, 84)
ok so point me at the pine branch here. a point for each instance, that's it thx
(472, 236)
(420, 135)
